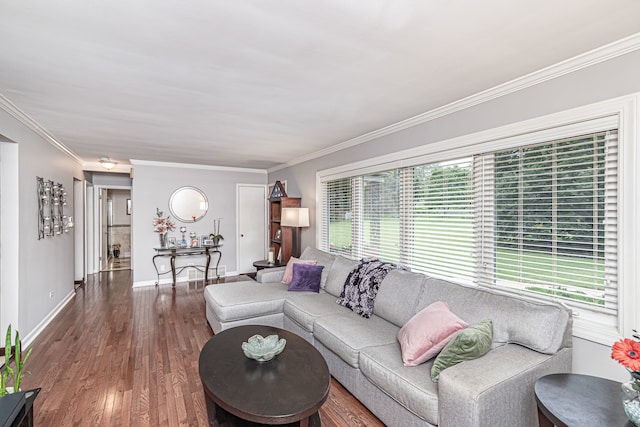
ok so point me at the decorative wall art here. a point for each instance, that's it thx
(52, 199)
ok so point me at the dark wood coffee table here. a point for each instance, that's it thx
(579, 400)
(287, 390)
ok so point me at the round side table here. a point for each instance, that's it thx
(259, 265)
(569, 400)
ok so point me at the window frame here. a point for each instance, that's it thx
(623, 110)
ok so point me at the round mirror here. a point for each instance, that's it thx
(188, 204)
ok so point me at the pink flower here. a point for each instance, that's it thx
(161, 224)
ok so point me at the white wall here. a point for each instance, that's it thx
(42, 266)
(153, 184)
(606, 80)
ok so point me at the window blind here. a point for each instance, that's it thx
(532, 218)
(337, 221)
(440, 217)
(547, 219)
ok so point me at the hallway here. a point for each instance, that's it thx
(117, 264)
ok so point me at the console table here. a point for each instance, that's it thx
(173, 253)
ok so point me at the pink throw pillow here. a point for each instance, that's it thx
(426, 333)
(288, 273)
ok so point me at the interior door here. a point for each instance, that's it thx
(252, 229)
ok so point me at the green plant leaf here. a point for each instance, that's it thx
(7, 346)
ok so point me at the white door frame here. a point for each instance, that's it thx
(97, 222)
(79, 248)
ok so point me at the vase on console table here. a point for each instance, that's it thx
(163, 240)
(631, 401)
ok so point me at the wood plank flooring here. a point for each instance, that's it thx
(117, 356)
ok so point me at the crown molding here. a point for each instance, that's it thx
(193, 166)
(584, 60)
(26, 120)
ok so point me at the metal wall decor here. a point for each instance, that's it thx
(52, 199)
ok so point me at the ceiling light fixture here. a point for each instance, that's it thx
(108, 164)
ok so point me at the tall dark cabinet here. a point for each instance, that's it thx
(281, 238)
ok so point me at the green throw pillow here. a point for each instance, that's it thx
(470, 343)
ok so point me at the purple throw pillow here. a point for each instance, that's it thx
(306, 277)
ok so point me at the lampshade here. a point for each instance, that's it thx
(108, 164)
(295, 217)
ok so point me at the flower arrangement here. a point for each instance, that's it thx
(161, 224)
(216, 236)
(627, 353)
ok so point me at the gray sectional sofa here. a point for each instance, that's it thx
(530, 339)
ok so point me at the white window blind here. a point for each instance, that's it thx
(419, 216)
(337, 221)
(440, 216)
(362, 216)
(546, 219)
(537, 215)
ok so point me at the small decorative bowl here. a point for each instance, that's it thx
(262, 349)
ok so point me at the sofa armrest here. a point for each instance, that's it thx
(496, 389)
(270, 275)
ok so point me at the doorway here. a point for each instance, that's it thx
(115, 229)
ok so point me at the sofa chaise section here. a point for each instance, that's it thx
(241, 303)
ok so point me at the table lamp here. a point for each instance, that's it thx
(295, 218)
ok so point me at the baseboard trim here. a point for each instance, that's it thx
(29, 338)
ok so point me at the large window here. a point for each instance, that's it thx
(537, 215)
(550, 230)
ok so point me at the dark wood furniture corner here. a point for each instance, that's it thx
(579, 400)
(16, 409)
(287, 390)
(281, 238)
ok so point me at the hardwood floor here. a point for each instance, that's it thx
(117, 356)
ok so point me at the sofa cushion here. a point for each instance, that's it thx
(244, 300)
(268, 275)
(338, 274)
(346, 333)
(305, 308)
(426, 333)
(306, 277)
(536, 325)
(321, 258)
(398, 295)
(470, 343)
(288, 271)
(409, 386)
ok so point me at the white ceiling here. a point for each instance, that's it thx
(255, 83)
